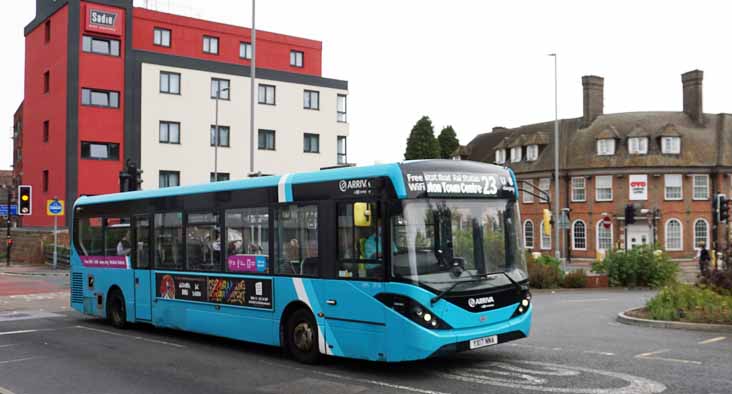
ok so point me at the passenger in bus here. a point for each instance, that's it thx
(123, 246)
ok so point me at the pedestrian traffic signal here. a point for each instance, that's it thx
(723, 208)
(629, 214)
(547, 222)
(131, 178)
(25, 200)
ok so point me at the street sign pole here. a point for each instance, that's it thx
(55, 208)
(55, 242)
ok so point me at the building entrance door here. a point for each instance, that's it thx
(638, 234)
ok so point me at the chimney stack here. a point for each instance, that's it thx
(592, 98)
(692, 82)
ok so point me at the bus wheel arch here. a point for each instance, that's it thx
(299, 320)
(116, 308)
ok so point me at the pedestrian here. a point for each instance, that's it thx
(704, 259)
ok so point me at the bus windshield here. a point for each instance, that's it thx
(436, 243)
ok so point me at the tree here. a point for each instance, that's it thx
(448, 142)
(422, 143)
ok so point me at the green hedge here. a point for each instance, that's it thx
(640, 266)
(544, 272)
(691, 304)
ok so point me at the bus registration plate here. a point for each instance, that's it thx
(482, 342)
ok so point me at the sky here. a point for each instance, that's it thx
(470, 64)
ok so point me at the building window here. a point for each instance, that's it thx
(245, 50)
(46, 130)
(211, 45)
(671, 145)
(606, 146)
(500, 156)
(45, 181)
(529, 234)
(47, 31)
(579, 235)
(169, 179)
(638, 145)
(296, 58)
(222, 138)
(311, 143)
(220, 88)
(604, 188)
(311, 99)
(528, 190)
(546, 239)
(545, 186)
(99, 151)
(222, 176)
(161, 37)
(341, 148)
(341, 108)
(99, 98)
(532, 152)
(701, 234)
(578, 189)
(604, 236)
(673, 186)
(515, 154)
(701, 187)
(169, 132)
(266, 94)
(169, 82)
(673, 235)
(100, 46)
(266, 139)
(46, 82)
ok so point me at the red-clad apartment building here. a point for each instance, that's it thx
(82, 115)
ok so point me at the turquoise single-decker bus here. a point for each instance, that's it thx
(390, 262)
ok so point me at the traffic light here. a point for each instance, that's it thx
(124, 181)
(25, 205)
(629, 214)
(722, 208)
(547, 222)
(136, 178)
(130, 179)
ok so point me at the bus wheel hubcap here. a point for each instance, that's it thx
(303, 336)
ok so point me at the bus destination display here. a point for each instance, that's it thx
(454, 184)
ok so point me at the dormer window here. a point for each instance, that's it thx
(671, 145)
(532, 152)
(500, 156)
(638, 145)
(515, 154)
(606, 146)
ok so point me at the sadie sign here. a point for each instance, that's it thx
(103, 20)
(638, 187)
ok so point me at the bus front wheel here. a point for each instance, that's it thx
(302, 337)
(116, 312)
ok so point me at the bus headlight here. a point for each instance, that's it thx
(413, 311)
(523, 306)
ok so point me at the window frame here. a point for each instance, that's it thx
(636, 150)
(248, 45)
(221, 90)
(574, 234)
(266, 87)
(92, 38)
(532, 152)
(162, 41)
(109, 145)
(500, 156)
(676, 145)
(167, 173)
(527, 185)
(706, 233)
(274, 139)
(665, 187)
(308, 104)
(210, 39)
(308, 137)
(694, 177)
(168, 124)
(544, 237)
(597, 188)
(344, 113)
(344, 154)
(218, 136)
(666, 235)
(294, 61)
(526, 244)
(516, 154)
(601, 143)
(548, 189)
(168, 74)
(109, 94)
(47, 82)
(598, 230)
(576, 189)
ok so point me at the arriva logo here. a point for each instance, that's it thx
(354, 184)
(473, 302)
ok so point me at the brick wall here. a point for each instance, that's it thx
(28, 244)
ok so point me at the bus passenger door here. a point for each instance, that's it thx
(143, 272)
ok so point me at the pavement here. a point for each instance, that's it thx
(576, 346)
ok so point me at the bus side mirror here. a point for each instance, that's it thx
(361, 214)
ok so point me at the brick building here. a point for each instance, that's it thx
(667, 165)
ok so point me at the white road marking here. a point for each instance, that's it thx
(17, 360)
(8, 345)
(24, 331)
(5, 391)
(653, 356)
(554, 349)
(600, 353)
(712, 340)
(139, 338)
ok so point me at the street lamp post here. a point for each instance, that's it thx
(252, 71)
(557, 252)
(216, 130)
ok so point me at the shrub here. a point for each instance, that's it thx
(544, 272)
(690, 303)
(719, 281)
(575, 279)
(640, 266)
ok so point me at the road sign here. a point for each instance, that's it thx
(607, 222)
(4, 210)
(55, 207)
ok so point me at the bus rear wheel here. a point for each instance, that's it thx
(116, 313)
(302, 337)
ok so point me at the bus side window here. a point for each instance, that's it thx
(360, 240)
(90, 241)
(142, 242)
(118, 238)
(296, 240)
(203, 242)
(169, 240)
(247, 240)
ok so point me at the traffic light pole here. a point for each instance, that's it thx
(8, 241)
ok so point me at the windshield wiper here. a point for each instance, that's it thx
(476, 278)
(449, 289)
